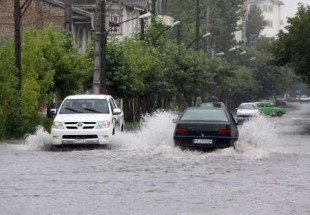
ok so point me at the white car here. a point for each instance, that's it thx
(304, 98)
(87, 119)
(247, 111)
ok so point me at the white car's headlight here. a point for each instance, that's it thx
(103, 124)
(58, 125)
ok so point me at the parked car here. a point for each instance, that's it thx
(205, 128)
(280, 101)
(87, 119)
(304, 99)
(269, 109)
(247, 111)
(212, 104)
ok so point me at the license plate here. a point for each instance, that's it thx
(80, 141)
(202, 141)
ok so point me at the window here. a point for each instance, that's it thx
(204, 115)
(268, 8)
(115, 17)
(84, 106)
(112, 104)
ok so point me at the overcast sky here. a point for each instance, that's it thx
(291, 6)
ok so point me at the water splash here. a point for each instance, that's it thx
(155, 131)
(38, 141)
(257, 138)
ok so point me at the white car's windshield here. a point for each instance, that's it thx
(73, 106)
(248, 106)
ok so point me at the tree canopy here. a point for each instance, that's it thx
(216, 16)
(158, 72)
(293, 44)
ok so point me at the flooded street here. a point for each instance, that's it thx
(142, 173)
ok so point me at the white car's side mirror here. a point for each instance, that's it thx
(117, 111)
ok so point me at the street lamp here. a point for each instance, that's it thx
(232, 49)
(220, 54)
(143, 16)
(166, 29)
(253, 58)
(203, 36)
(99, 73)
(242, 53)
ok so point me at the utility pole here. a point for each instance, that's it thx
(244, 23)
(99, 74)
(142, 28)
(68, 16)
(103, 38)
(197, 24)
(19, 11)
(208, 25)
(17, 20)
(153, 8)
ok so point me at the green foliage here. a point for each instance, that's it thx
(223, 24)
(150, 74)
(273, 80)
(50, 63)
(86, 67)
(8, 83)
(293, 45)
(222, 15)
(70, 75)
(46, 123)
(37, 75)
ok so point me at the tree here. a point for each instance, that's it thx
(223, 18)
(255, 24)
(293, 45)
(8, 84)
(224, 23)
(50, 62)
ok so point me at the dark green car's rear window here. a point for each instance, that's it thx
(204, 115)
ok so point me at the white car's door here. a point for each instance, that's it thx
(119, 117)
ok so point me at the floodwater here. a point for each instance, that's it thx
(143, 174)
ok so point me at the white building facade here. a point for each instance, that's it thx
(271, 11)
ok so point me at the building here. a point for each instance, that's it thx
(163, 11)
(271, 11)
(41, 13)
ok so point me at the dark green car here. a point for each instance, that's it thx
(269, 109)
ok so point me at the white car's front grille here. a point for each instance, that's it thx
(80, 125)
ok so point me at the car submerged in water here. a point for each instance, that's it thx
(206, 128)
(87, 120)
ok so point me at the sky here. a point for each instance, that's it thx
(290, 8)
